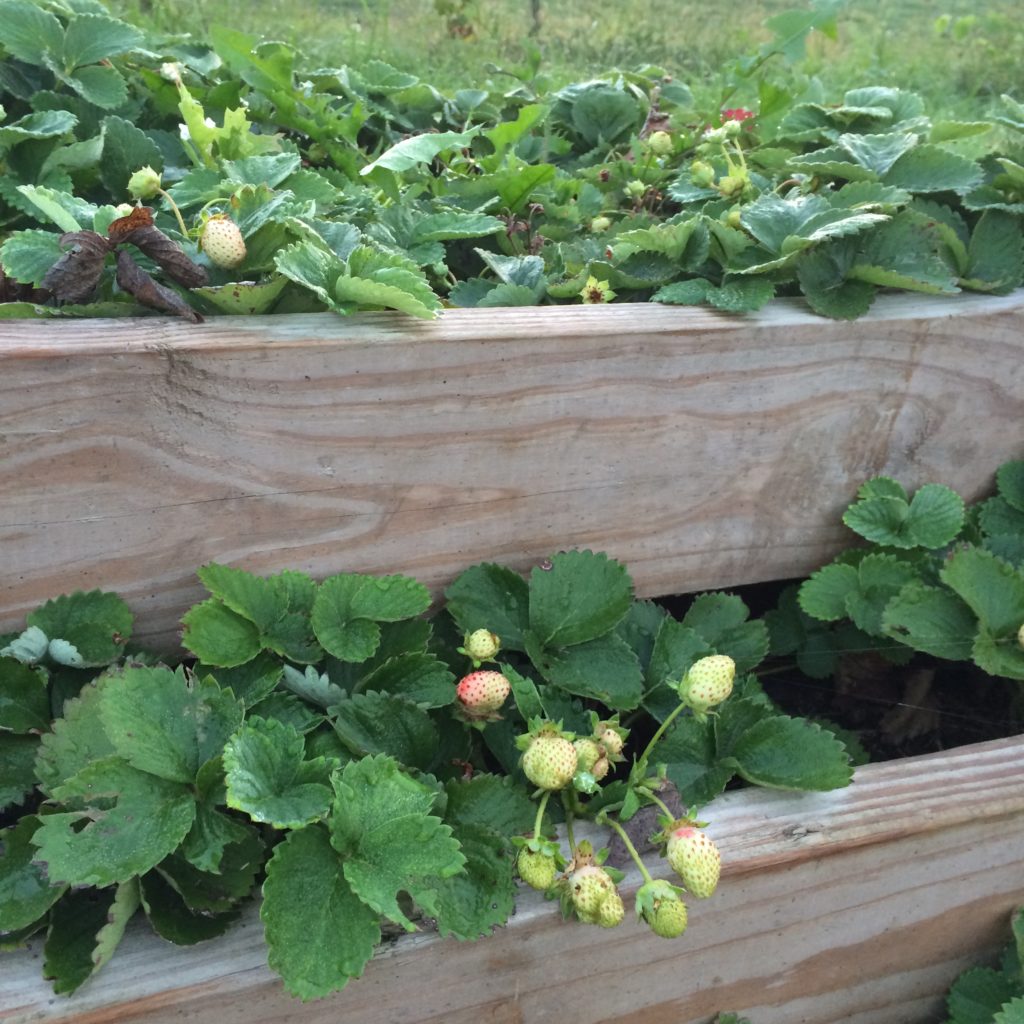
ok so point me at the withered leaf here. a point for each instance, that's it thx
(134, 280)
(73, 278)
(139, 230)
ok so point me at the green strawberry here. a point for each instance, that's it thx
(611, 911)
(550, 760)
(695, 859)
(708, 682)
(480, 645)
(536, 868)
(221, 240)
(588, 753)
(589, 887)
(659, 903)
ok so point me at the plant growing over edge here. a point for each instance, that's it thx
(320, 742)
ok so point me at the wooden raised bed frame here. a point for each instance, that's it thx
(701, 449)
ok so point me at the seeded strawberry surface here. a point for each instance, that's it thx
(482, 645)
(695, 859)
(590, 887)
(483, 691)
(222, 241)
(710, 681)
(550, 762)
(536, 869)
(667, 919)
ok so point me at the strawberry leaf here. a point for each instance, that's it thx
(492, 597)
(320, 934)
(24, 699)
(382, 723)
(268, 777)
(25, 891)
(172, 918)
(993, 590)
(390, 842)
(97, 624)
(930, 619)
(17, 767)
(791, 753)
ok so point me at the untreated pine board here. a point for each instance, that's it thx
(858, 906)
(703, 450)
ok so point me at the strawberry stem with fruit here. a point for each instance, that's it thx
(604, 819)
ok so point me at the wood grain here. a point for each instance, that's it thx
(858, 906)
(704, 450)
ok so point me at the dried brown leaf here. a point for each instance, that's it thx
(139, 230)
(73, 278)
(134, 280)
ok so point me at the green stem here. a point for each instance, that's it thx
(177, 212)
(661, 803)
(538, 823)
(602, 819)
(657, 736)
(569, 817)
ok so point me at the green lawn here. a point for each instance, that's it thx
(957, 53)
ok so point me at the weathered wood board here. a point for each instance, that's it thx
(857, 906)
(704, 450)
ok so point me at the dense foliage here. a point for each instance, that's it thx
(373, 189)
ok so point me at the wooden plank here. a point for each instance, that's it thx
(860, 906)
(704, 450)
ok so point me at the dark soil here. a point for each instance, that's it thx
(894, 711)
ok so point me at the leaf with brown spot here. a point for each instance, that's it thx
(73, 278)
(139, 230)
(134, 280)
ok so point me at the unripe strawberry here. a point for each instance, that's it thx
(221, 240)
(536, 869)
(611, 741)
(588, 753)
(660, 143)
(601, 768)
(144, 183)
(550, 761)
(667, 918)
(708, 682)
(589, 887)
(702, 174)
(599, 224)
(482, 693)
(695, 859)
(611, 912)
(481, 645)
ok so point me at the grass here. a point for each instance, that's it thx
(959, 54)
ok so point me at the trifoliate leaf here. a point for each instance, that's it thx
(349, 606)
(879, 578)
(493, 801)
(932, 168)
(791, 753)
(823, 596)
(688, 752)
(123, 823)
(390, 842)
(903, 254)
(24, 700)
(493, 597)
(78, 738)
(878, 152)
(993, 590)
(98, 624)
(268, 777)
(475, 901)
(25, 891)
(17, 767)
(882, 487)
(250, 682)
(605, 669)
(218, 636)
(930, 619)
(217, 891)
(995, 257)
(173, 919)
(422, 678)
(319, 933)
(161, 724)
(211, 832)
(314, 267)
(977, 995)
(580, 597)
(931, 520)
(382, 723)
(85, 929)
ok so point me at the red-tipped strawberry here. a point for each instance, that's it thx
(221, 240)
(695, 859)
(708, 682)
(481, 694)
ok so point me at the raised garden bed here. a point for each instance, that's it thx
(701, 449)
(859, 905)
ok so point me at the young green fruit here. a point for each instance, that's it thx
(611, 912)
(588, 753)
(589, 888)
(708, 682)
(667, 918)
(481, 645)
(550, 761)
(221, 240)
(695, 859)
(536, 869)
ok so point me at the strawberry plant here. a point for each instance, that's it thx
(299, 189)
(317, 749)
